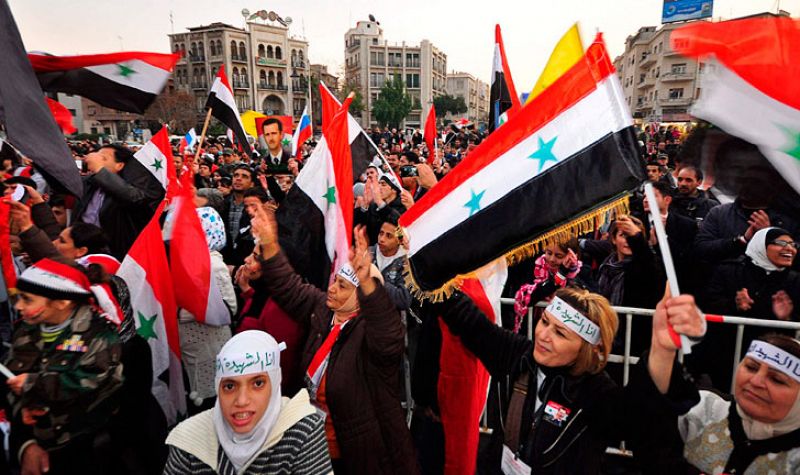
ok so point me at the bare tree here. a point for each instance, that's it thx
(175, 108)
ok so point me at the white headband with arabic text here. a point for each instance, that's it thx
(574, 320)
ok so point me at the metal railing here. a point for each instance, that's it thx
(626, 359)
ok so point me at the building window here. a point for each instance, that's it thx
(234, 52)
(376, 79)
(376, 58)
(679, 68)
(676, 93)
(412, 81)
(194, 49)
(271, 78)
(213, 47)
(270, 53)
(261, 51)
(242, 51)
(201, 50)
(279, 78)
(278, 53)
(262, 77)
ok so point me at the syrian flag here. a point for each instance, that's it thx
(747, 86)
(463, 380)
(566, 161)
(503, 99)
(196, 289)
(156, 157)
(316, 218)
(147, 273)
(223, 107)
(127, 81)
(302, 132)
(430, 132)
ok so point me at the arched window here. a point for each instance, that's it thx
(201, 50)
(242, 51)
(279, 78)
(176, 47)
(300, 55)
(234, 52)
(194, 49)
(294, 57)
(271, 78)
(262, 77)
(195, 76)
(219, 47)
(203, 77)
(269, 52)
(213, 46)
(278, 53)
(261, 51)
(243, 78)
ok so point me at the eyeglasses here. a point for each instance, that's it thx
(781, 243)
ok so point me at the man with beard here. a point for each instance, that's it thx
(691, 201)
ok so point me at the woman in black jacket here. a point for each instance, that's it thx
(563, 409)
(761, 284)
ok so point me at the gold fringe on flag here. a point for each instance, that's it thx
(585, 223)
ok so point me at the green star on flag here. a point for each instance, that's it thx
(474, 203)
(286, 141)
(157, 164)
(793, 148)
(147, 326)
(330, 195)
(125, 70)
(545, 153)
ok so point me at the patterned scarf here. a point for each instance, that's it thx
(541, 273)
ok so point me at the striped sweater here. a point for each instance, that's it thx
(296, 445)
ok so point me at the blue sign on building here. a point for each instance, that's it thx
(683, 10)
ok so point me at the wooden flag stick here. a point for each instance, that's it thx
(202, 135)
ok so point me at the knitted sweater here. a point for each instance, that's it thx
(296, 445)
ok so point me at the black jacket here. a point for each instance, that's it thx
(131, 198)
(373, 217)
(694, 207)
(240, 245)
(596, 405)
(716, 241)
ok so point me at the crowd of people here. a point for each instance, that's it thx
(321, 380)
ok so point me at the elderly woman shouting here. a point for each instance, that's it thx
(352, 357)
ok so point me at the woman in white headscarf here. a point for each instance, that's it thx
(761, 284)
(200, 342)
(251, 429)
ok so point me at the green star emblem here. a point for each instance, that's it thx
(157, 164)
(474, 203)
(793, 148)
(330, 195)
(544, 154)
(147, 326)
(286, 142)
(125, 70)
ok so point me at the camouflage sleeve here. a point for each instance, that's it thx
(70, 375)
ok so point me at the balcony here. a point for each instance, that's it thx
(241, 84)
(669, 53)
(262, 61)
(267, 86)
(300, 88)
(239, 59)
(674, 77)
(644, 105)
(647, 82)
(675, 101)
(647, 60)
(298, 64)
(281, 87)
(199, 85)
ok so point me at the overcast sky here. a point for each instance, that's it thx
(464, 30)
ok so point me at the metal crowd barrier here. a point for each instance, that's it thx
(626, 359)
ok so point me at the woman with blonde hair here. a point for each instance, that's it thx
(562, 410)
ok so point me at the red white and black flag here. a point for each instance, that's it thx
(556, 168)
(223, 106)
(127, 81)
(503, 99)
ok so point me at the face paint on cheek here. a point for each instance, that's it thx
(32, 314)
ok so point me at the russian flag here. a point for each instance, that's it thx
(302, 132)
(188, 140)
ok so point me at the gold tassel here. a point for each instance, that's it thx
(585, 223)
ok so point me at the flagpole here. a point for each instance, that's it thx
(202, 135)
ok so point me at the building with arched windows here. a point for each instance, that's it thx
(267, 68)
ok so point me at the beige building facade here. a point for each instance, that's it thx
(474, 92)
(268, 68)
(370, 60)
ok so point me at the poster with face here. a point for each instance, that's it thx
(270, 135)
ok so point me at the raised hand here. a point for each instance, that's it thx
(361, 260)
(264, 228)
(743, 300)
(782, 305)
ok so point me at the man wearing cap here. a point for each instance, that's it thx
(381, 196)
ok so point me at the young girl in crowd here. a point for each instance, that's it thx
(251, 429)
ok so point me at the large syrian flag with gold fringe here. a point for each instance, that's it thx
(566, 159)
(750, 83)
